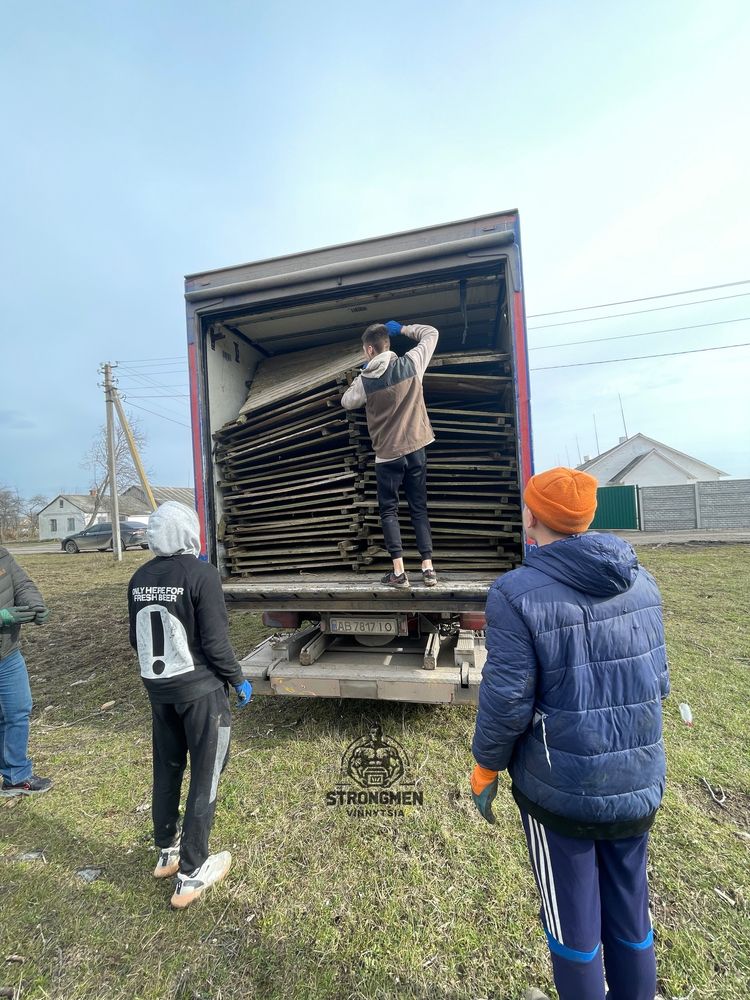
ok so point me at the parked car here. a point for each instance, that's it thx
(99, 536)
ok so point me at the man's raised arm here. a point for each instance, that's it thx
(427, 338)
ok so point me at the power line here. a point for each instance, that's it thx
(148, 361)
(156, 371)
(162, 385)
(639, 312)
(167, 366)
(160, 415)
(144, 377)
(643, 298)
(646, 333)
(164, 395)
(640, 357)
(148, 383)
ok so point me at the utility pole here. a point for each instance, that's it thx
(622, 412)
(109, 396)
(133, 449)
(596, 436)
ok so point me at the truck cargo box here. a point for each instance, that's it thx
(285, 480)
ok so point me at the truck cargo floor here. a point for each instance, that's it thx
(357, 592)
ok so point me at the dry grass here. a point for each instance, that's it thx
(435, 905)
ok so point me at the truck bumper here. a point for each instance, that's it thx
(394, 672)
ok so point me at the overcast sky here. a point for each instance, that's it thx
(145, 141)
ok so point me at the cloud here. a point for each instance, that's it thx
(14, 420)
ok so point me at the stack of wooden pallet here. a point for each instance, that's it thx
(290, 467)
(472, 484)
(298, 473)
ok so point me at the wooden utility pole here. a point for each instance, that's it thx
(133, 449)
(109, 396)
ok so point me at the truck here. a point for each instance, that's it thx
(284, 485)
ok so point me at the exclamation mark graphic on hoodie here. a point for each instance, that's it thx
(157, 639)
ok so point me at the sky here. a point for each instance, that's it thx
(143, 142)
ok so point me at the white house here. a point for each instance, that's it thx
(642, 461)
(71, 512)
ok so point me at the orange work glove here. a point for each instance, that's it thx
(484, 790)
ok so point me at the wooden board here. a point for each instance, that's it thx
(298, 475)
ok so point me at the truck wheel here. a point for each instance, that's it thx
(71, 547)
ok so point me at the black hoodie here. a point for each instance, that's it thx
(178, 619)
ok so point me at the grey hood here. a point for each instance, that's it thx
(173, 529)
(379, 364)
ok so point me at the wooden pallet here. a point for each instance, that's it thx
(298, 479)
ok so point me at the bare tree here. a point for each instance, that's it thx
(95, 462)
(11, 513)
(31, 508)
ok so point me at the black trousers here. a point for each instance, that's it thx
(199, 729)
(411, 471)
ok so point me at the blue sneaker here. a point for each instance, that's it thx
(31, 786)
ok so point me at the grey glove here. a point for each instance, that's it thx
(41, 614)
(16, 616)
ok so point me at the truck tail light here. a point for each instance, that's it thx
(281, 619)
(473, 620)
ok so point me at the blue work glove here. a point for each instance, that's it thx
(393, 327)
(244, 693)
(483, 791)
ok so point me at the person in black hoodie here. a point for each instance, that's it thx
(179, 627)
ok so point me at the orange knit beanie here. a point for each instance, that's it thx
(563, 499)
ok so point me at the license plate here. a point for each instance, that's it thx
(366, 626)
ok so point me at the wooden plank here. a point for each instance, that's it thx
(285, 374)
(296, 406)
(467, 358)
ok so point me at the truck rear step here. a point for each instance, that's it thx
(399, 671)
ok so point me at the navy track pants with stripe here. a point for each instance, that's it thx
(594, 897)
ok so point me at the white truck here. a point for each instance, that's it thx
(275, 329)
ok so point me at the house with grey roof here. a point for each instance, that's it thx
(641, 461)
(183, 494)
(70, 512)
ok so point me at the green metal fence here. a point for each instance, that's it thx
(616, 507)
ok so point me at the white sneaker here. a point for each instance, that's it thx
(191, 887)
(534, 994)
(169, 860)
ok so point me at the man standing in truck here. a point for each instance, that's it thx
(570, 705)
(390, 389)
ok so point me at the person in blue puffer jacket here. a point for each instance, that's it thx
(570, 705)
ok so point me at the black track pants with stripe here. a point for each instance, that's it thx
(199, 729)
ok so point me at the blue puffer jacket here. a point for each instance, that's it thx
(570, 699)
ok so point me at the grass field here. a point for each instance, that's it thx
(433, 905)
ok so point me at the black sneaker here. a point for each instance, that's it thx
(32, 786)
(400, 580)
(429, 577)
